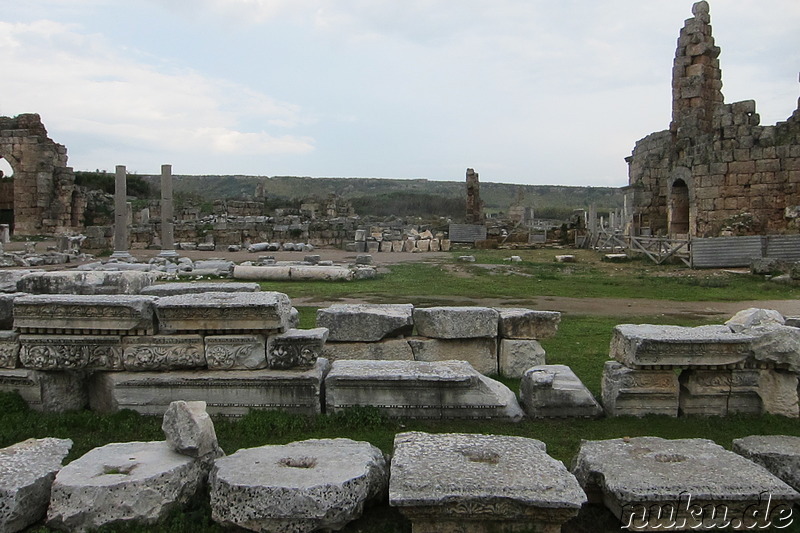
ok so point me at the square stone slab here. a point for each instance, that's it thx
(224, 312)
(454, 482)
(684, 479)
(780, 454)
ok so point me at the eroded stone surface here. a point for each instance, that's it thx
(481, 352)
(780, 454)
(632, 474)
(120, 313)
(87, 283)
(627, 391)
(296, 348)
(235, 352)
(297, 488)
(71, 352)
(189, 430)
(365, 322)
(163, 352)
(520, 323)
(9, 349)
(122, 482)
(27, 470)
(219, 311)
(554, 391)
(515, 356)
(777, 345)
(172, 289)
(385, 350)
(748, 318)
(453, 481)
(456, 322)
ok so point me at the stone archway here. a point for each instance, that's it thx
(45, 199)
(679, 207)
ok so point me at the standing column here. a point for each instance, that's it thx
(121, 214)
(167, 228)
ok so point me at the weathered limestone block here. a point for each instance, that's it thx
(414, 389)
(230, 393)
(365, 322)
(296, 348)
(779, 393)
(780, 454)
(235, 352)
(140, 482)
(554, 391)
(456, 322)
(776, 345)
(719, 392)
(626, 391)
(51, 392)
(189, 430)
(748, 318)
(299, 487)
(649, 345)
(27, 470)
(637, 477)
(86, 282)
(320, 273)
(384, 350)
(173, 289)
(9, 349)
(10, 278)
(479, 352)
(520, 323)
(163, 352)
(455, 482)
(7, 309)
(261, 273)
(71, 352)
(222, 312)
(515, 356)
(119, 314)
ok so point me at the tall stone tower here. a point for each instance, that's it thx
(474, 204)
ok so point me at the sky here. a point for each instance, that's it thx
(523, 91)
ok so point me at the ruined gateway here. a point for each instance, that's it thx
(715, 165)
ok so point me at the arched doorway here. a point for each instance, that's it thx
(6, 193)
(679, 207)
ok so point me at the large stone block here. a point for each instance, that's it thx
(780, 454)
(163, 352)
(365, 322)
(653, 484)
(189, 430)
(230, 393)
(384, 350)
(299, 487)
(112, 315)
(456, 322)
(224, 312)
(296, 348)
(130, 482)
(9, 349)
(71, 352)
(10, 278)
(454, 482)
(778, 390)
(554, 391)
(479, 352)
(520, 323)
(51, 392)
(627, 391)
(719, 392)
(27, 470)
(776, 345)
(236, 352)
(414, 389)
(515, 356)
(748, 318)
(649, 345)
(173, 289)
(87, 283)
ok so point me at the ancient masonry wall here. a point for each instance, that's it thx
(46, 199)
(716, 169)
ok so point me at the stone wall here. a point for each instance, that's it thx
(46, 199)
(716, 170)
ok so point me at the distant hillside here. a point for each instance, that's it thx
(548, 201)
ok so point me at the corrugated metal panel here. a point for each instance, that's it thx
(721, 252)
(467, 233)
(786, 247)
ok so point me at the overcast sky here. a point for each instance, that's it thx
(523, 91)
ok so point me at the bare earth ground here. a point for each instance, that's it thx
(579, 306)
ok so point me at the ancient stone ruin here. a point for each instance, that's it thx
(716, 169)
(42, 194)
(474, 204)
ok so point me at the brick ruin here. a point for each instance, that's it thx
(716, 170)
(41, 197)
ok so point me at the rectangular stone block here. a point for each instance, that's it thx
(384, 350)
(554, 391)
(224, 312)
(231, 393)
(520, 323)
(515, 356)
(705, 392)
(71, 352)
(296, 348)
(9, 349)
(235, 352)
(413, 389)
(51, 392)
(120, 314)
(456, 322)
(481, 353)
(163, 352)
(173, 289)
(627, 391)
(643, 345)
(86, 282)
(365, 322)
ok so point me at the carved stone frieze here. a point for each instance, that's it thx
(163, 352)
(235, 352)
(71, 352)
(296, 348)
(84, 313)
(9, 349)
